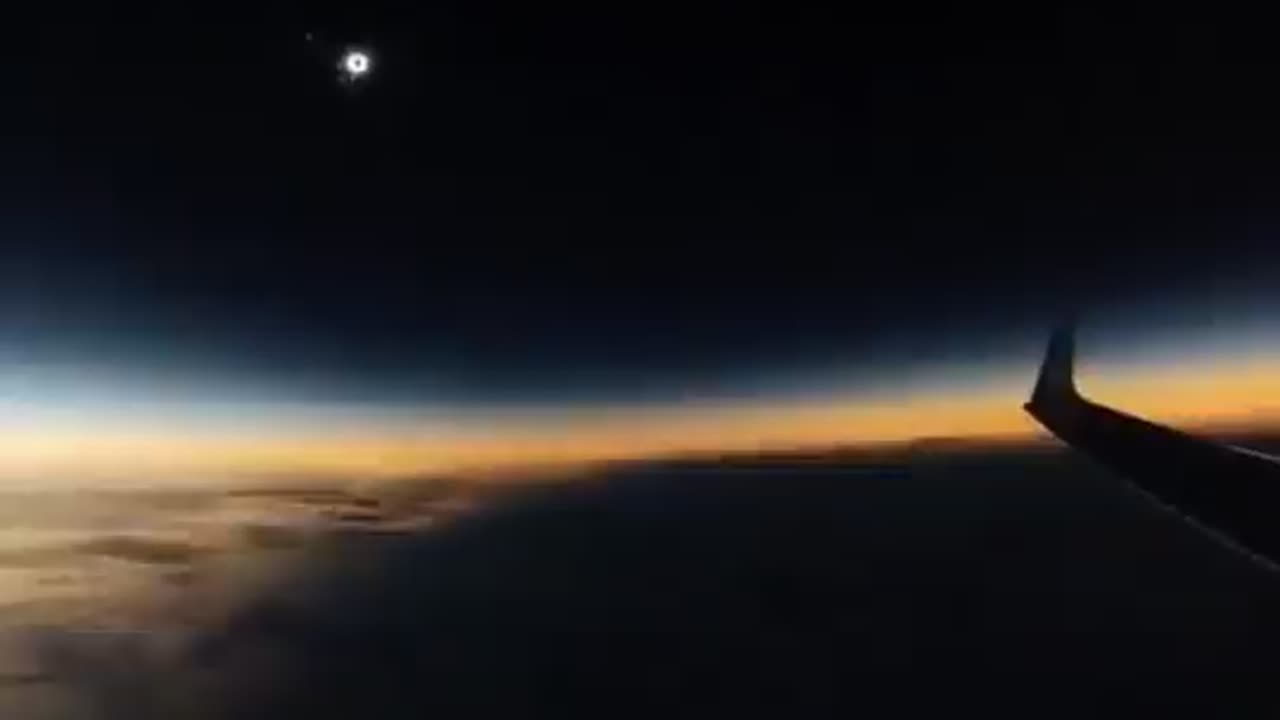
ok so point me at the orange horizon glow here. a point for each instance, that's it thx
(1239, 394)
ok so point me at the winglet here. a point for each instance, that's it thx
(1230, 492)
(1056, 381)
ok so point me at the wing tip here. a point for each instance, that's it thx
(1056, 379)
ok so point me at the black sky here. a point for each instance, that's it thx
(565, 200)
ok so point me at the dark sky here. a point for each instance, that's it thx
(554, 200)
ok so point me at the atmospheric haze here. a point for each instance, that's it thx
(87, 436)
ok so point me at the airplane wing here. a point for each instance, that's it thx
(1231, 492)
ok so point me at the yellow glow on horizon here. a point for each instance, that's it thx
(1238, 393)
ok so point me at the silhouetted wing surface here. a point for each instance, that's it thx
(1231, 491)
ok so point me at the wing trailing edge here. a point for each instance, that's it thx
(1232, 493)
